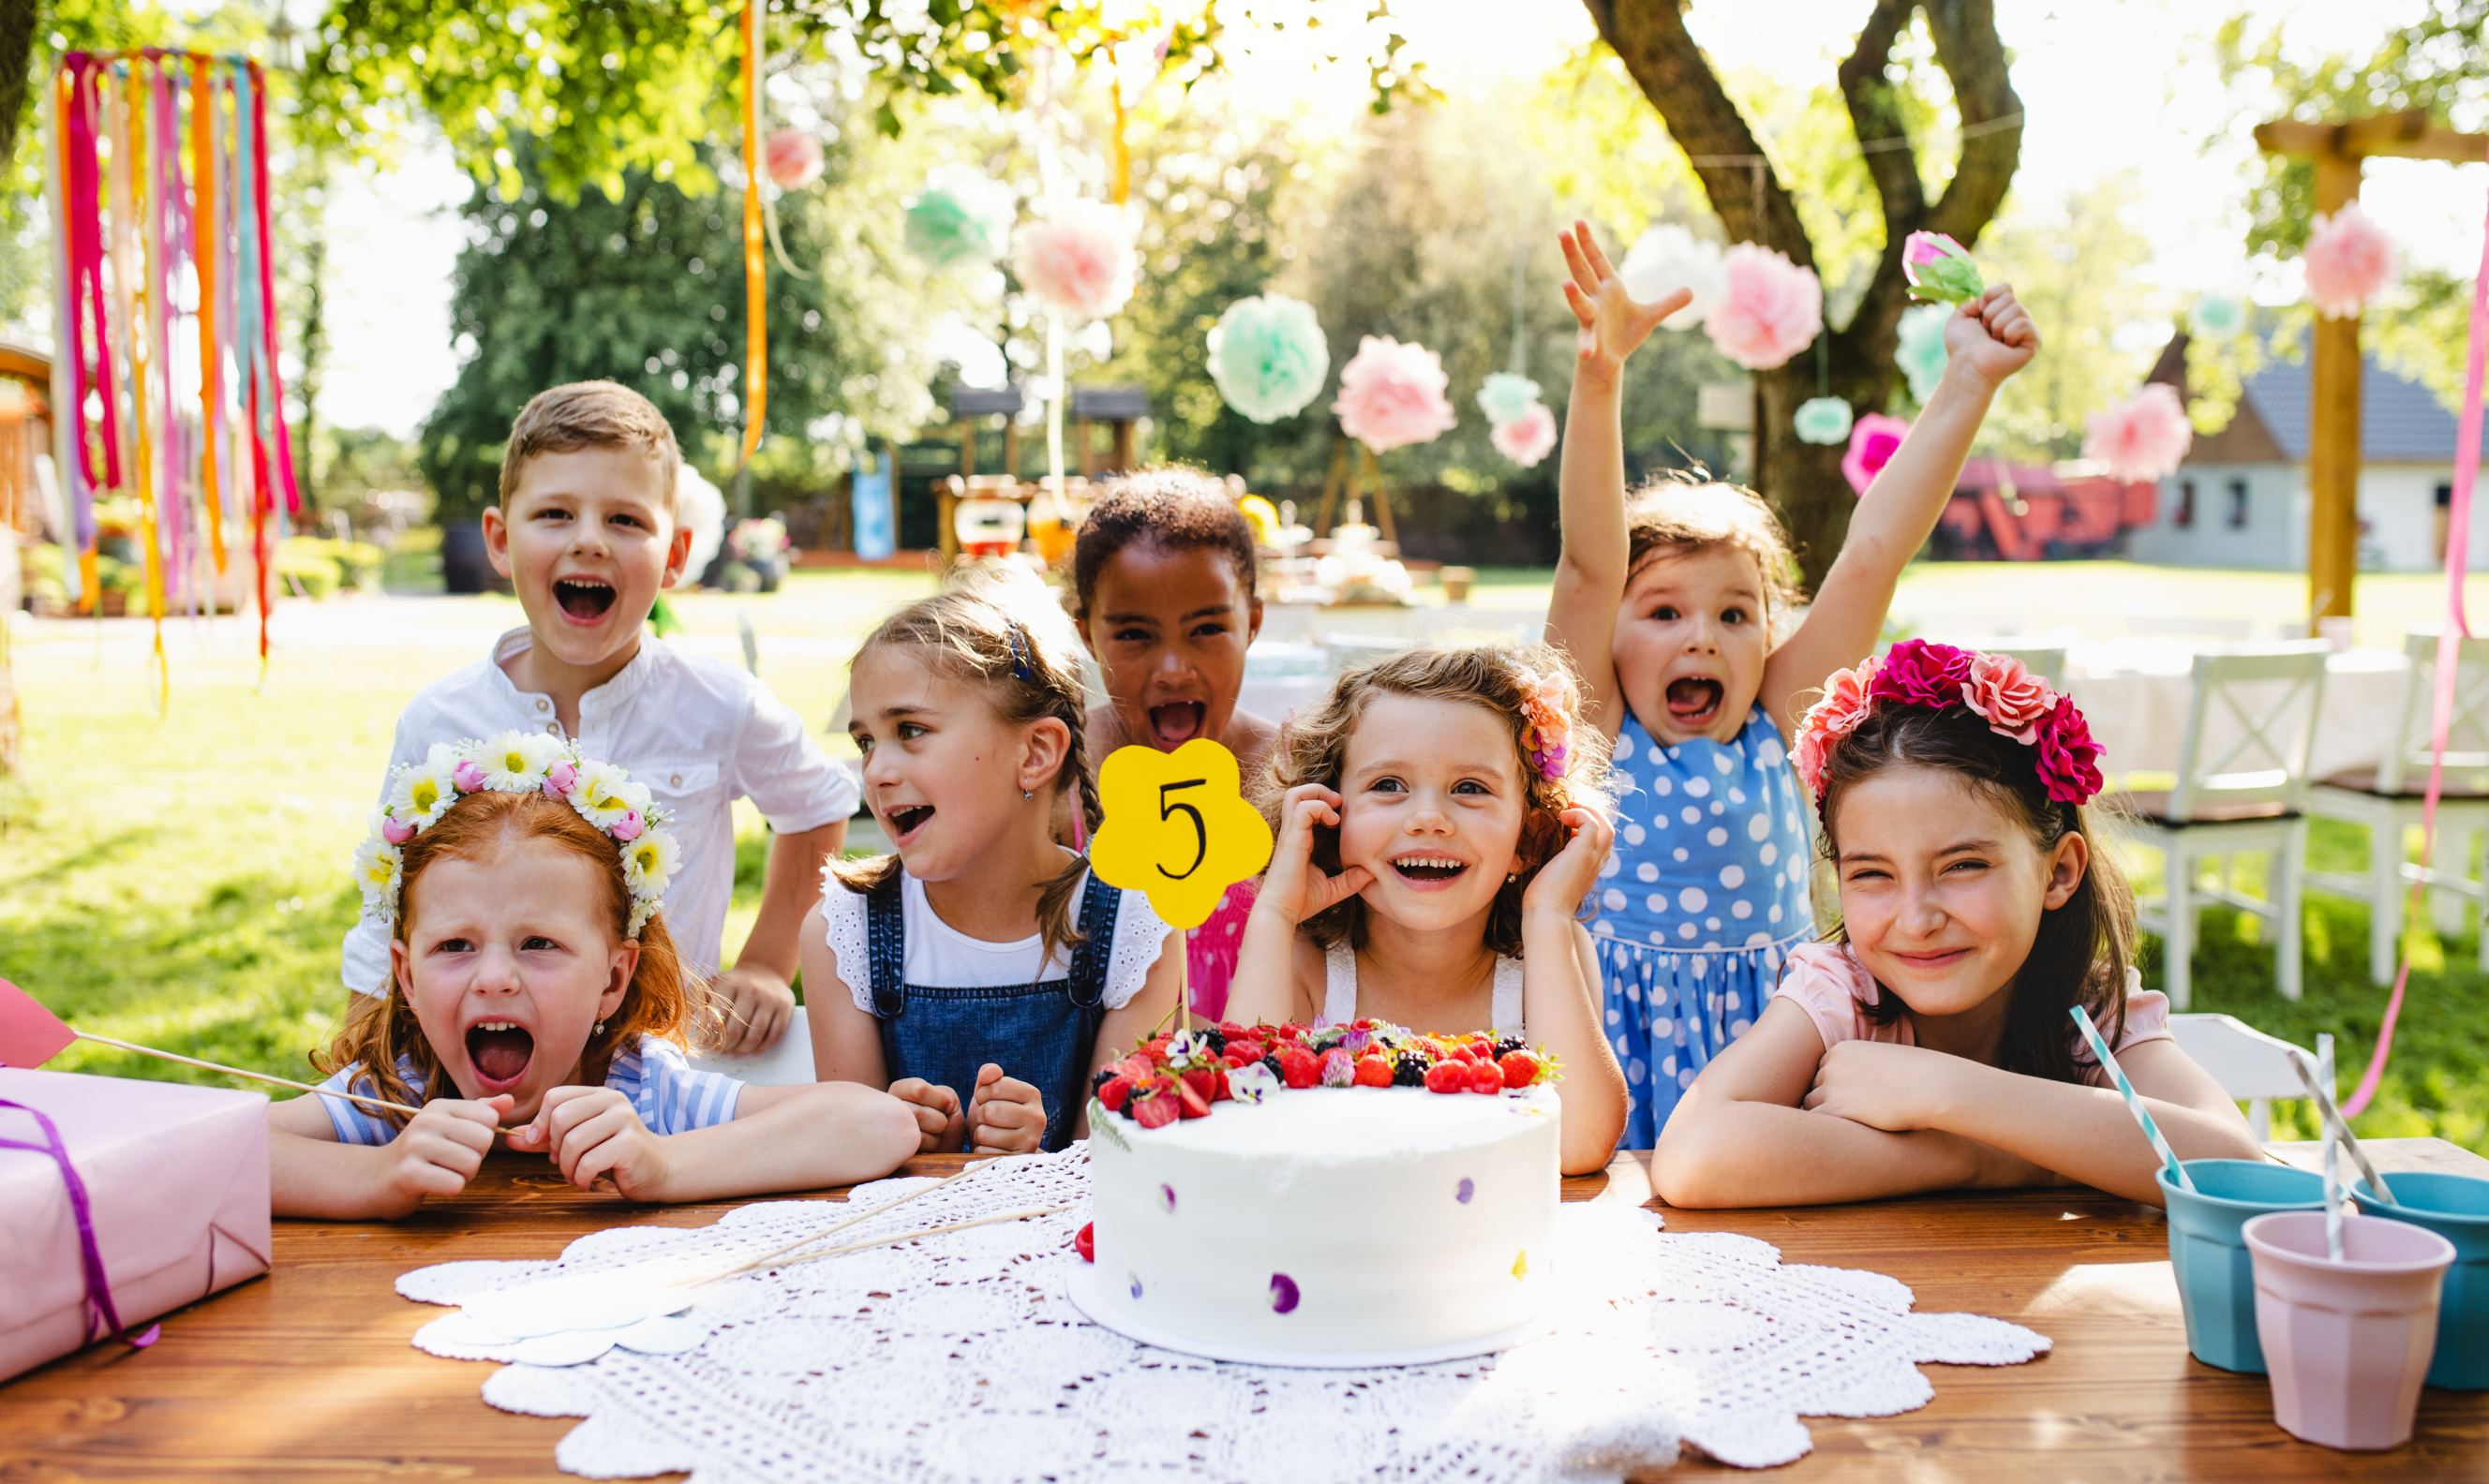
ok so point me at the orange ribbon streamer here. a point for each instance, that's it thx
(142, 192)
(756, 267)
(209, 239)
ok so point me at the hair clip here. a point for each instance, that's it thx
(1023, 667)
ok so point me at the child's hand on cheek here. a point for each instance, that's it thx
(1992, 336)
(938, 1122)
(1006, 1116)
(1295, 887)
(441, 1148)
(1569, 874)
(1881, 1085)
(588, 1131)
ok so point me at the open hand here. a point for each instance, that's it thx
(1295, 887)
(1570, 872)
(440, 1150)
(1613, 323)
(759, 1007)
(588, 1131)
(1006, 1116)
(938, 1121)
(1992, 336)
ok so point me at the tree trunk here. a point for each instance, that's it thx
(19, 24)
(1747, 194)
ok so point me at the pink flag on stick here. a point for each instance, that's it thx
(29, 1034)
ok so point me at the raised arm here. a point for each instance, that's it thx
(1987, 340)
(1591, 574)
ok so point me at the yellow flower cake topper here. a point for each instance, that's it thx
(1177, 828)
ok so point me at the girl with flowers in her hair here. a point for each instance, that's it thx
(1931, 1043)
(1439, 819)
(534, 990)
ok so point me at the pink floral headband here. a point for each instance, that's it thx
(1997, 689)
(1547, 723)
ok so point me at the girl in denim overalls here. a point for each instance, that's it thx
(981, 973)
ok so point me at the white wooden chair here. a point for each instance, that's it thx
(2243, 794)
(2252, 1067)
(790, 1061)
(2387, 800)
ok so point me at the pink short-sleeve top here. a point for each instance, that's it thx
(1827, 981)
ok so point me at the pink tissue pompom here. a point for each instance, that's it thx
(2142, 437)
(1391, 395)
(1079, 261)
(791, 159)
(1769, 308)
(2348, 261)
(1527, 438)
(1873, 439)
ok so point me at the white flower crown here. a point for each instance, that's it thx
(518, 762)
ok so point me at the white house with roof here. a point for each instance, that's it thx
(2239, 500)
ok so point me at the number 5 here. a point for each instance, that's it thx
(1200, 831)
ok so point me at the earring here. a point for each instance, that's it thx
(1027, 794)
(1510, 876)
(600, 1029)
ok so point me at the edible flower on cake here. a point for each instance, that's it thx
(1184, 1073)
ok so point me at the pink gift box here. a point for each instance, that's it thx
(176, 1182)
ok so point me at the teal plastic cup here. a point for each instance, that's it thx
(2216, 1275)
(2456, 1207)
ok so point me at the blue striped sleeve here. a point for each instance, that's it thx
(669, 1095)
(357, 1125)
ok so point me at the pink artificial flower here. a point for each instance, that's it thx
(1391, 395)
(791, 159)
(2013, 699)
(1922, 248)
(627, 828)
(1846, 695)
(559, 780)
(1527, 438)
(2348, 262)
(2142, 437)
(1873, 439)
(469, 776)
(1918, 672)
(2069, 757)
(1769, 308)
(396, 831)
(1079, 261)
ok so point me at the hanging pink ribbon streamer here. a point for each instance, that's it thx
(91, 362)
(258, 166)
(2457, 628)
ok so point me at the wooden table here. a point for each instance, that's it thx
(307, 1372)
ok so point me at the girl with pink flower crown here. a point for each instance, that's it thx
(1439, 819)
(1671, 605)
(1931, 1044)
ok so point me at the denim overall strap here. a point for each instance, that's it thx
(886, 951)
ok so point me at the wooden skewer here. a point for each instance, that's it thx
(757, 1264)
(357, 1099)
(771, 1256)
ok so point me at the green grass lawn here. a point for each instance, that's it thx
(181, 881)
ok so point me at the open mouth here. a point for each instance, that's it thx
(583, 598)
(1694, 702)
(905, 822)
(1176, 723)
(1428, 869)
(499, 1052)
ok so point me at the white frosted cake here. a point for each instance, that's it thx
(1325, 1224)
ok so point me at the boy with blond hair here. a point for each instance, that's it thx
(585, 533)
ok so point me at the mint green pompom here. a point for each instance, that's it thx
(1269, 356)
(1921, 351)
(1505, 396)
(956, 222)
(1821, 420)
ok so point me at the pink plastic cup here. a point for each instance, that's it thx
(2346, 1342)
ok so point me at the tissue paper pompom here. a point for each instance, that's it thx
(1769, 307)
(1079, 261)
(958, 218)
(699, 507)
(1873, 440)
(1920, 350)
(1668, 257)
(791, 159)
(1506, 396)
(1821, 420)
(1527, 438)
(1269, 356)
(2143, 437)
(2216, 316)
(1391, 395)
(2348, 261)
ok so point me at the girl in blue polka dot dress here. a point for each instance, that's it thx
(1669, 605)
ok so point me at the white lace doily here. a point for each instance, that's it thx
(958, 1359)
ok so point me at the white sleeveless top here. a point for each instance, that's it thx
(1339, 990)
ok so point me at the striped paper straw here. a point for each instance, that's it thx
(2134, 1103)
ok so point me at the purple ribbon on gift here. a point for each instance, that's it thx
(98, 1292)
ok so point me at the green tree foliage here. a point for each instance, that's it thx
(2074, 263)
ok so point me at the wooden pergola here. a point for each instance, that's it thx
(2339, 150)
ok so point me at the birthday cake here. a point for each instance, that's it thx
(1348, 1196)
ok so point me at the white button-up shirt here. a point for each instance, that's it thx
(697, 732)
